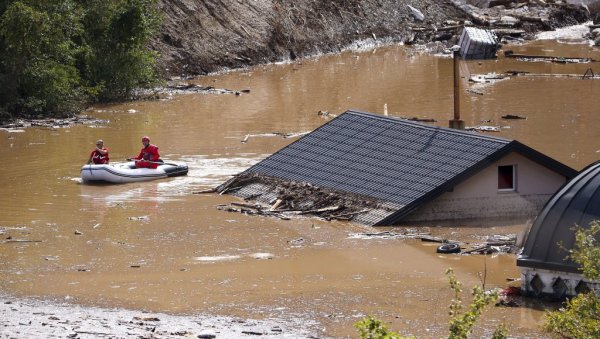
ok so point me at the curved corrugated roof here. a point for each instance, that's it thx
(551, 235)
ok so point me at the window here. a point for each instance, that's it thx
(506, 178)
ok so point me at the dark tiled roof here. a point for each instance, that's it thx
(390, 159)
(576, 203)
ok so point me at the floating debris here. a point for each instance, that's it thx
(274, 134)
(546, 58)
(511, 116)
(486, 78)
(262, 256)
(421, 119)
(140, 218)
(18, 125)
(483, 128)
(474, 91)
(389, 235)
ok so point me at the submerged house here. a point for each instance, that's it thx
(545, 268)
(415, 172)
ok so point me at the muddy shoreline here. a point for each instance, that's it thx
(30, 318)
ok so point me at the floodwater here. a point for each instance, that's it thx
(158, 247)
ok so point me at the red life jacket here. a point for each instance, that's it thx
(99, 158)
(149, 153)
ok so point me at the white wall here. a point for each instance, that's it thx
(478, 197)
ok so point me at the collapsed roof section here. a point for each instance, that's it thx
(398, 163)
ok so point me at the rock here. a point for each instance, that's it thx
(416, 13)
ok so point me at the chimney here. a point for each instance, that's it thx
(456, 123)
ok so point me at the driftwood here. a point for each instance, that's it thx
(474, 91)
(476, 249)
(256, 209)
(559, 59)
(511, 116)
(276, 204)
(427, 238)
(421, 119)
(20, 241)
(321, 210)
(584, 76)
(351, 214)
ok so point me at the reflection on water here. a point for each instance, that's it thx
(156, 246)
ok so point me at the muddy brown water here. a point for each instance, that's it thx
(158, 247)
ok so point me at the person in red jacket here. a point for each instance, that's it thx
(99, 155)
(148, 157)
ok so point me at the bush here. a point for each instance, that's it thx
(580, 316)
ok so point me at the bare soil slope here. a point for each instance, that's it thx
(202, 36)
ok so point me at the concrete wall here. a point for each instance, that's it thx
(554, 284)
(479, 197)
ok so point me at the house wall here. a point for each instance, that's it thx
(479, 197)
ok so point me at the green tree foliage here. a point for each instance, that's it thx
(58, 55)
(372, 328)
(580, 316)
(461, 321)
(116, 34)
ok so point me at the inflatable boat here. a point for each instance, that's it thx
(119, 173)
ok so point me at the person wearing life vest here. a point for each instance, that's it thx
(99, 155)
(148, 157)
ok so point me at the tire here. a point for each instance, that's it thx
(449, 248)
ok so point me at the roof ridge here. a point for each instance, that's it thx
(416, 124)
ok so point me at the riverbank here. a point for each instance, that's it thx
(201, 37)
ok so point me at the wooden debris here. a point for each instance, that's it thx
(483, 128)
(276, 205)
(321, 210)
(421, 119)
(428, 238)
(225, 187)
(284, 214)
(240, 204)
(20, 241)
(351, 214)
(557, 59)
(511, 116)
(474, 91)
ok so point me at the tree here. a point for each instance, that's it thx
(37, 68)
(580, 316)
(118, 59)
(56, 56)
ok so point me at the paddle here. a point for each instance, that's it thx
(153, 162)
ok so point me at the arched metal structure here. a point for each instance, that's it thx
(544, 263)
